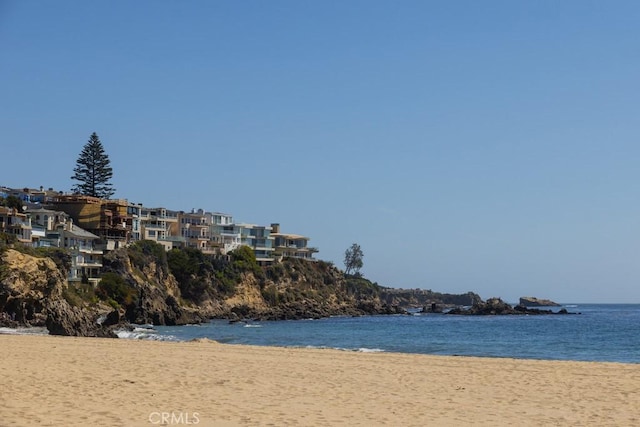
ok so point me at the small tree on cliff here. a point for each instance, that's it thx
(353, 259)
(93, 170)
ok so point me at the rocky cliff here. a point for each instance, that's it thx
(155, 296)
(186, 286)
(34, 292)
(144, 284)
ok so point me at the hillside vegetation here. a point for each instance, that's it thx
(145, 284)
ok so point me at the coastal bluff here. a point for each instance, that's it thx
(144, 284)
(34, 292)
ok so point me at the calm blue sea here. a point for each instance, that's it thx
(600, 333)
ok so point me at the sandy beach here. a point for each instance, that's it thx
(62, 381)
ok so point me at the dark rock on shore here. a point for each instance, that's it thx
(7, 322)
(64, 319)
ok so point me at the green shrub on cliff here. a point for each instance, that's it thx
(60, 256)
(139, 253)
(243, 260)
(270, 295)
(361, 287)
(276, 272)
(203, 276)
(7, 239)
(191, 269)
(79, 294)
(113, 287)
(182, 263)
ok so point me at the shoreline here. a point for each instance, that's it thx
(143, 334)
(53, 380)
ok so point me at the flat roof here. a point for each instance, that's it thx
(290, 236)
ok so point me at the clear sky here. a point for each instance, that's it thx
(487, 146)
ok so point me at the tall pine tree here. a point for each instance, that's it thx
(93, 170)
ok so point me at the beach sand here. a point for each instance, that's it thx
(64, 381)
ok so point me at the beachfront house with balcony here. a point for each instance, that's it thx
(17, 224)
(225, 235)
(56, 229)
(161, 226)
(258, 238)
(291, 245)
(45, 224)
(195, 227)
(86, 258)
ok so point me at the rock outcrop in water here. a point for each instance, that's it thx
(495, 306)
(536, 302)
(426, 298)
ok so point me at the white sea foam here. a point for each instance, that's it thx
(143, 334)
(142, 325)
(252, 326)
(359, 350)
(370, 350)
(145, 330)
(24, 331)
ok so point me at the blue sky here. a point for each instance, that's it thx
(466, 146)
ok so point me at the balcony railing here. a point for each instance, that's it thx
(89, 250)
(152, 226)
(89, 264)
(173, 239)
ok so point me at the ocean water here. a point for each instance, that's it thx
(608, 333)
(601, 332)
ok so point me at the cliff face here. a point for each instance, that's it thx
(26, 285)
(188, 286)
(34, 291)
(157, 296)
(144, 284)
